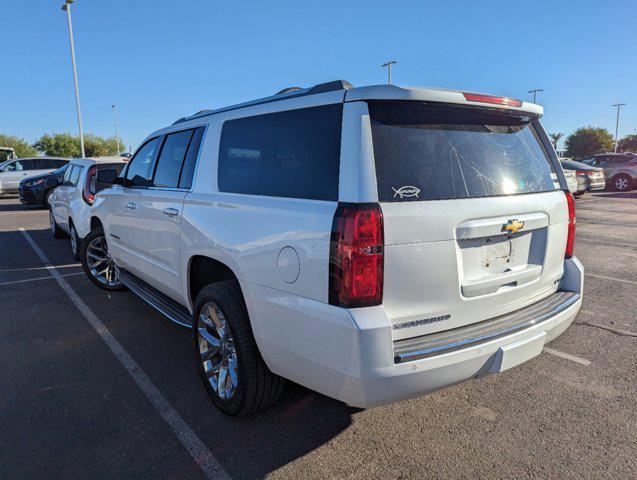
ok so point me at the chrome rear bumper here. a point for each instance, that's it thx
(417, 348)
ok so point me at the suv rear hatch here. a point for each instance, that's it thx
(475, 220)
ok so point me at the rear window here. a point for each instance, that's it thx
(292, 154)
(432, 152)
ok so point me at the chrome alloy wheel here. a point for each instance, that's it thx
(621, 183)
(217, 351)
(100, 263)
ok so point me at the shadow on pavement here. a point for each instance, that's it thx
(615, 195)
(18, 207)
(250, 447)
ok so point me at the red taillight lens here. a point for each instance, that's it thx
(581, 172)
(479, 97)
(88, 192)
(570, 240)
(356, 256)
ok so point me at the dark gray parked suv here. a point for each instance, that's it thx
(620, 169)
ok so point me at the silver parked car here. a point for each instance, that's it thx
(571, 181)
(13, 171)
(587, 178)
(620, 169)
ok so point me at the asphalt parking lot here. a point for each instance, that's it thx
(70, 407)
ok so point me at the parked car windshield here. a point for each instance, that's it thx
(432, 152)
(60, 170)
(574, 165)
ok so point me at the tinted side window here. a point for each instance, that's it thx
(285, 154)
(14, 167)
(188, 170)
(58, 163)
(29, 164)
(171, 159)
(75, 174)
(139, 169)
(67, 173)
(42, 164)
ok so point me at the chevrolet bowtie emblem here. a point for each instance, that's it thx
(512, 226)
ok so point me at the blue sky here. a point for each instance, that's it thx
(160, 60)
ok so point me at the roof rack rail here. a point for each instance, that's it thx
(330, 87)
(288, 90)
(292, 91)
(183, 119)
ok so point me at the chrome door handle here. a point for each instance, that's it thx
(171, 212)
(131, 205)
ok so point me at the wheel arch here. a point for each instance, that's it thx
(204, 270)
(95, 222)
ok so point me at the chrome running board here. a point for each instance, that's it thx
(447, 341)
(153, 297)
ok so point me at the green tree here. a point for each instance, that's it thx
(555, 137)
(20, 145)
(67, 145)
(628, 144)
(587, 141)
(59, 145)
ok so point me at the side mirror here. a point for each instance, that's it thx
(52, 182)
(108, 176)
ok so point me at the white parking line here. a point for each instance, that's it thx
(195, 447)
(13, 282)
(67, 265)
(567, 356)
(621, 280)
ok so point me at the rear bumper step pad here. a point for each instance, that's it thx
(424, 346)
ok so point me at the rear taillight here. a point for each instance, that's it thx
(482, 98)
(356, 256)
(570, 240)
(581, 172)
(88, 192)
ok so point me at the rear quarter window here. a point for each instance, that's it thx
(433, 152)
(292, 154)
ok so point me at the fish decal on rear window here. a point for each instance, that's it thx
(406, 192)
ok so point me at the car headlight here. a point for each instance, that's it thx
(33, 183)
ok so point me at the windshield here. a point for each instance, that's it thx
(60, 170)
(5, 154)
(432, 152)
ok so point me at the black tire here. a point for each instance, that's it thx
(76, 242)
(257, 386)
(622, 183)
(56, 231)
(579, 194)
(95, 233)
(45, 198)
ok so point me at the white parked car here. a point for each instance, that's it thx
(71, 200)
(571, 180)
(12, 172)
(372, 243)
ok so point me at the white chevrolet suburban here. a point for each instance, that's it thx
(372, 244)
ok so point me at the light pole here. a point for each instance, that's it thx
(535, 92)
(618, 105)
(114, 107)
(67, 7)
(388, 65)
